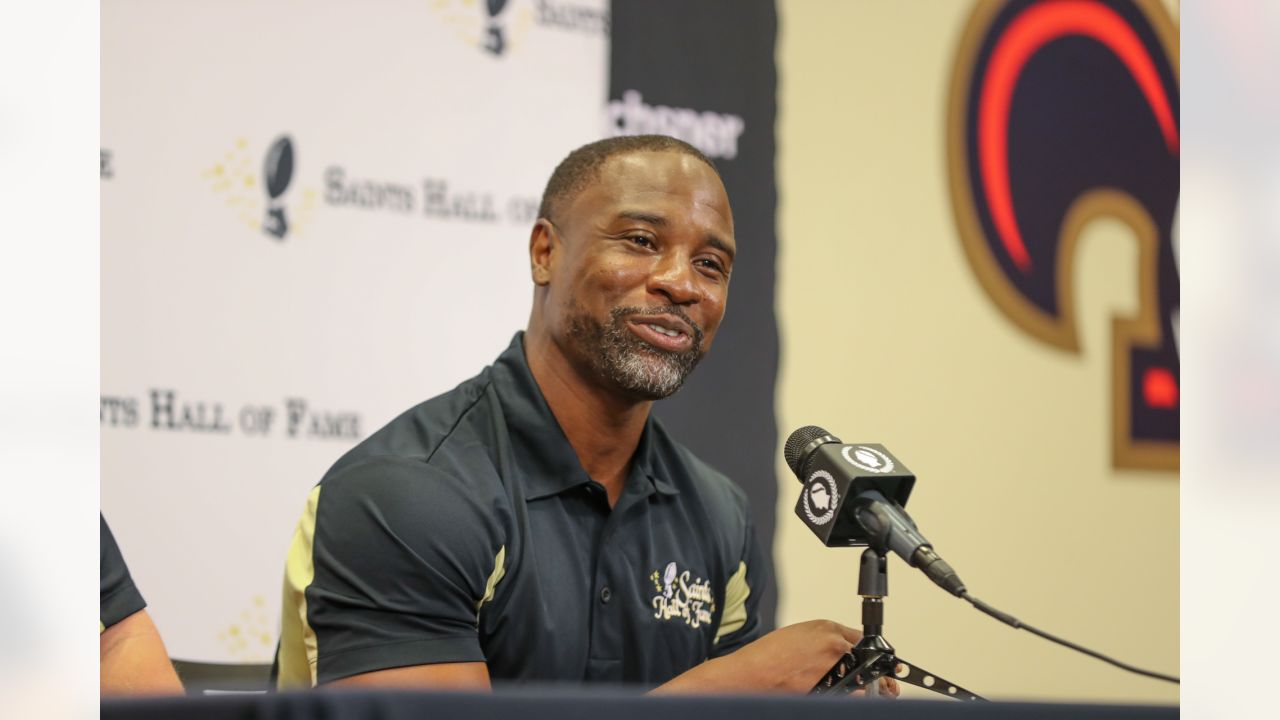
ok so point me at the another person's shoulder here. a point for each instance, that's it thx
(118, 596)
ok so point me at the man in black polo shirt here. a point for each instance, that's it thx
(536, 523)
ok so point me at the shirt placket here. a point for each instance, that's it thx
(609, 608)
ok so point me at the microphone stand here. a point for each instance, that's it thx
(873, 657)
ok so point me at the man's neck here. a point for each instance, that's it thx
(603, 428)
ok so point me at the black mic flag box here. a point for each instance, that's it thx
(835, 475)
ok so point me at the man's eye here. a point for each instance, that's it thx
(714, 265)
(641, 240)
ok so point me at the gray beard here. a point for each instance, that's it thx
(630, 363)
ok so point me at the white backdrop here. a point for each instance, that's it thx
(391, 284)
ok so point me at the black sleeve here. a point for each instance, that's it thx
(740, 619)
(404, 556)
(118, 598)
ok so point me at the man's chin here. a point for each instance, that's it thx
(652, 373)
(648, 393)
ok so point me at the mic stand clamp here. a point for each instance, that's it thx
(873, 657)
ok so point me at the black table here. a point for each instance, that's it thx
(560, 704)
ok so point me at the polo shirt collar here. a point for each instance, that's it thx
(541, 449)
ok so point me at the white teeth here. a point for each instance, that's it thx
(664, 331)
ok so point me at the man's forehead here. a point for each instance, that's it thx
(656, 168)
(677, 180)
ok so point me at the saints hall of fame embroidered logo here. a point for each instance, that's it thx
(682, 597)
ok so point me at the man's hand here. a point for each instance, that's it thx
(791, 660)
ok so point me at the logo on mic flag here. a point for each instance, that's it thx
(821, 498)
(867, 458)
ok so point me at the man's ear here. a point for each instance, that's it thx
(543, 251)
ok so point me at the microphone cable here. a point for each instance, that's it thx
(1014, 622)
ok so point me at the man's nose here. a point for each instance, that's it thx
(675, 277)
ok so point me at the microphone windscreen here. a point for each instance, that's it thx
(796, 444)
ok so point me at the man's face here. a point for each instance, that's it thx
(640, 285)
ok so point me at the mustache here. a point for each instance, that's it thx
(620, 312)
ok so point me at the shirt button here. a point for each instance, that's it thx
(606, 595)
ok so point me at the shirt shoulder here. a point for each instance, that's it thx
(442, 425)
(699, 483)
(430, 469)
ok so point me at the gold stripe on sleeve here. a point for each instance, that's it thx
(499, 569)
(736, 592)
(298, 652)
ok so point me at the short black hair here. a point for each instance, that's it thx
(582, 166)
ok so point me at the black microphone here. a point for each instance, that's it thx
(853, 495)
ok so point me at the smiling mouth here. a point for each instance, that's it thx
(664, 331)
(646, 351)
(664, 334)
